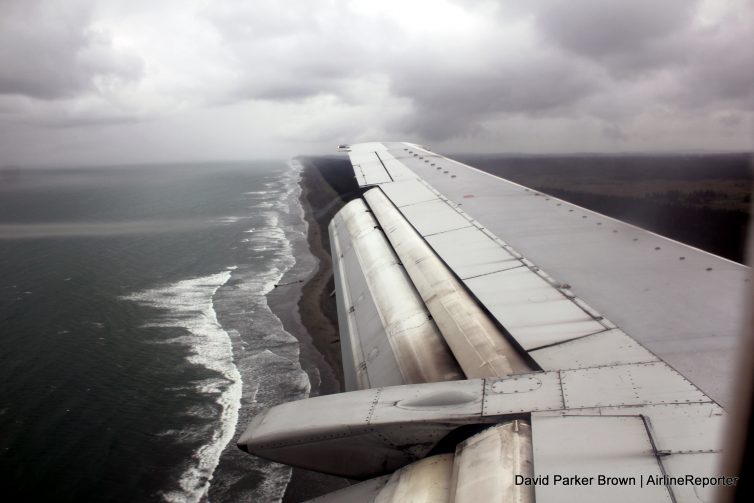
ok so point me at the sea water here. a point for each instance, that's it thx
(135, 335)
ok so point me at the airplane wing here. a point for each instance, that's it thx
(500, 344)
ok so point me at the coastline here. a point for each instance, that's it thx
(316, 305)
(308, 312)
(296, 319)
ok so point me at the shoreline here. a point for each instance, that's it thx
(306, 310)
(266, 355)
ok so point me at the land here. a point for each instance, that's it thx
(327, 184)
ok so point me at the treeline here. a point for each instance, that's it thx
(734, 166)
(697, 197)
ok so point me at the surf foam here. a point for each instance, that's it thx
(188, 304)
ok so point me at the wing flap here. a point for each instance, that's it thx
(681, 303)
(648, 286)
(621, 385)
(611, 347)
(369, 169)
(602, 404)
(455, 249)
(434, 217)
(532, 310)
(387, 335)
(408, 192)
(574, 452)
(477, 344)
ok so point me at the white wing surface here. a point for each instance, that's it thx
(504, 345)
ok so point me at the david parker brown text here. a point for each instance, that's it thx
(642, 480)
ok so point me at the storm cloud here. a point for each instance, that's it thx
(624, 37)
(118, 81)
(50, 50)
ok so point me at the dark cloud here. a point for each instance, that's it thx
(48, 51)
(65, 113)
(625, 37)
(82, 120)
(296, 52)
(720, 66)
(462, 72)
(451, 101)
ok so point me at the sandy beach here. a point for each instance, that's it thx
(306, 306)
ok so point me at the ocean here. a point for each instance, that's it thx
(135, 330)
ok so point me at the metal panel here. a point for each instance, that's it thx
(404, 327)
(353, 373)
(369, 166)
(389, 335)
(329, 434)
(433, 217)
(411, 416)
(376, 366)
(522, 393)
(356, 293)
(358, 158)
(479, 347)
(426, 481)
(283, 425)
(375, 173)
(396, 168)
(697, 465)
(486, 465)
(361, 434)
(429, 401)
(419, 412)
(685, 428)
(365, 433)
(372, 146)
(534, 312)
(382, 363)
(606, 348)
(375, 165)
(408, 192)
(587, 447)
(635, 384)
(366, 343)
(681, 303)
(675, 428)
(469, 252)
(359, 174)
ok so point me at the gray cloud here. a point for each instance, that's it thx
(241, 77)
(608, 59)
(299, 51)
(720, 66)
(449, 103)
(49, 51)
(625, 37)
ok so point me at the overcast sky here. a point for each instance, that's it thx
(146, 80)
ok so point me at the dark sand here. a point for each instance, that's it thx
(308, 311)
